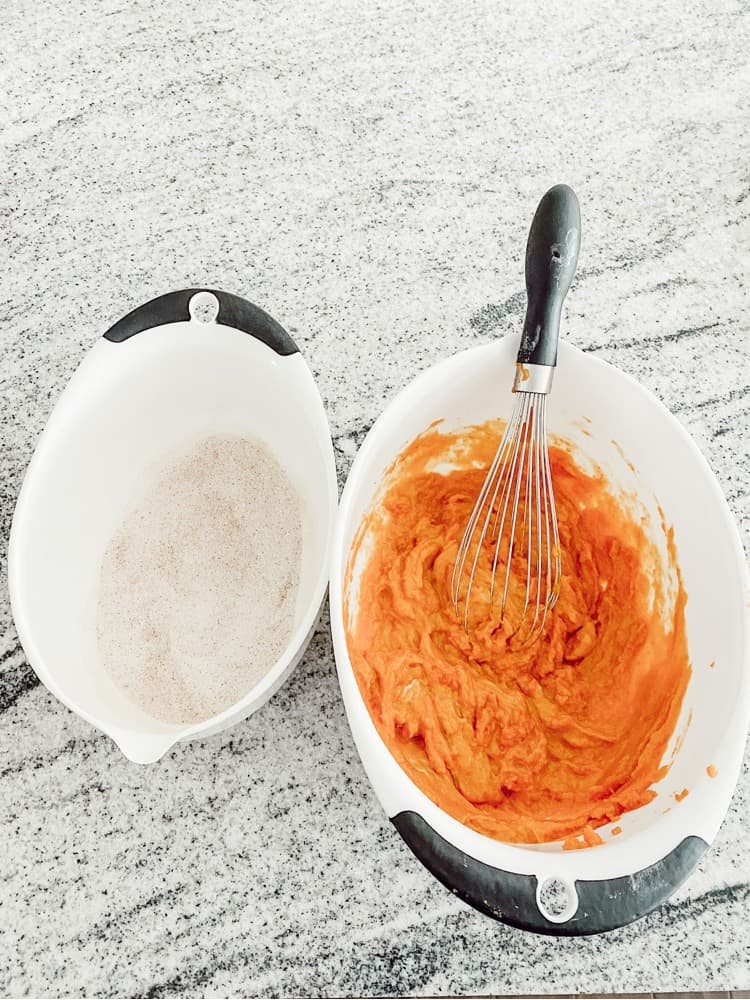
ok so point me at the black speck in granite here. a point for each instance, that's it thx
(495, 317)
(15, 680)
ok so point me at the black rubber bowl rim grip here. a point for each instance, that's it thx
(551, 259)
(174, 307)
(510, 898)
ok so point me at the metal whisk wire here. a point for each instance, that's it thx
(518, 484)
(515, 509)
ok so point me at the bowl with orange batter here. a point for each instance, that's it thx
(567, 786)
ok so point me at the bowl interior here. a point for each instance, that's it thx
(130, 410)
(613, 421)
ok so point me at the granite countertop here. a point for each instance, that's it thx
(366, 173)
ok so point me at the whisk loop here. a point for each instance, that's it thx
(513, 525)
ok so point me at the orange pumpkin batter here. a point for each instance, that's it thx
(527, 744)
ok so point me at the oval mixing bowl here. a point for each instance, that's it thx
(186, 365)
(621, 426)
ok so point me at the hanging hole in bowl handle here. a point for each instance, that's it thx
(203, 307)
(556, 899)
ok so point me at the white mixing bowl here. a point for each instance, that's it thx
(611, 418)
(186, 365)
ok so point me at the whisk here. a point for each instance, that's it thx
(512, 531)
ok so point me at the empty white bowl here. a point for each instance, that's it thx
(186, 365)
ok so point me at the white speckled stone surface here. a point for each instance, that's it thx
(365, 172)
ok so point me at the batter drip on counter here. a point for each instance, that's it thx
(524, 744)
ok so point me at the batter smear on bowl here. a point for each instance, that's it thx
(526, 744)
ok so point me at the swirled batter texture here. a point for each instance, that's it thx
(524, 744)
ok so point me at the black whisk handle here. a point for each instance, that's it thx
(551, 259)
